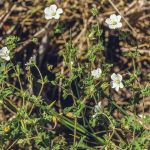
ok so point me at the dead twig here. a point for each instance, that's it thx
(110, 1)
(7, 15)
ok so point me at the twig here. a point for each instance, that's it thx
(59, 89)
(12, 144)
(110, 1)
(6, 17)
(38, 34)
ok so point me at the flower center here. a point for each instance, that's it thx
(114, 22)
(53, 13)
(117, 81)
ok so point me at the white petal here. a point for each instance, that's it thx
(121, 85)
(53, 8)
(57, 16)
(5, 50)
(113, 76)
(117, 88)
(94, 115)
(59, 11)
(113, 17)
(93, 72)
(113, 84)
(96, 109)
(47, 10)
(7, 58)
(99, 104)
(48, 17)
(119, 25)
(119, 76)
(113, 26)
(108, 21)
(96, 73)
(99, 71)
(1, 53)
(118, 18)
(96, 77)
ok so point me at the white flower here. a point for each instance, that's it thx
(72, 62)
(116, 81)
(96, 73)
(141, 116)
(114, 21)
(97, 109)
(4, 53)
(52, 12)
(31, 61)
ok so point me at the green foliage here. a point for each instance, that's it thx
(146, 91)
(96, 45)
(69, 53)
(94, 11)
(95, 32)
(11, 42)
(35, 123)
(133, 54)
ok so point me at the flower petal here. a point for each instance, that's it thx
(53, 8)
(121, 85)
(47, 10)
(57, 16)
(59, 11)
(108, 21)
(113, 76)
(4, 53)
(113, 17)
(117, 88)
(118, 18)
(119, 76)
(48, 16)
(99, 104)
(7, 58)
(112, 26)
(119, 25)
(94, 115)
(5, 50)
(99, 71)
(113, 84)
(93, 73)
(96, 109)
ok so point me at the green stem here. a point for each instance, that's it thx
(113, 102)
(41, 89)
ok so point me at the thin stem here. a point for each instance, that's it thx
(12, 85)
(12, 144)
(75, 131)
(133, 61)
(19, 83)
(110, 1)
(9, 109)
(42, 86)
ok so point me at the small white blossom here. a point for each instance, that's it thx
(113, 21)
(72, 62)
(96, 73)
(97, 109)
(52, 12)
(116, 81)
(4, 53)
(142, 116)
(31, 61)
